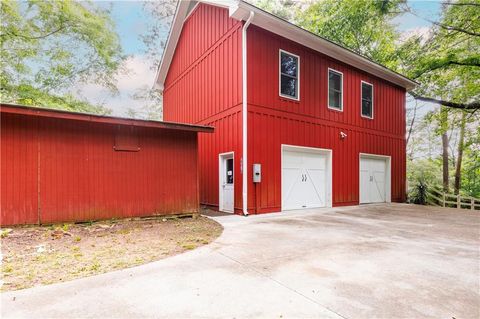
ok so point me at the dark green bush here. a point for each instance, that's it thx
(418, 193)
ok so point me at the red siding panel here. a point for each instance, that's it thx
(19, 163)
(263, 48)
(226, 139)
(204, 86)
(56, 170)
(273, 121)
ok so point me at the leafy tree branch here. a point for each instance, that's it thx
(465, 106)
(453, 28)
(439, 63)
(48, 47)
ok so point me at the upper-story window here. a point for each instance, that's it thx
(335, 90)
(289, 75)
(367, 100)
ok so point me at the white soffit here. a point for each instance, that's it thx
(240, 10)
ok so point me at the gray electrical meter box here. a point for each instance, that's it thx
(257, 173)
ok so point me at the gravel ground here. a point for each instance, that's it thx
(40, 255)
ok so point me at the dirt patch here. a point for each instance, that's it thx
(40, 255)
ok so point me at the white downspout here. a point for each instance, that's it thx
(244, 115)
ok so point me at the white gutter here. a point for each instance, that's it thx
(244, 115)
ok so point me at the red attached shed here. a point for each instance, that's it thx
(60, 166)
(300, 121)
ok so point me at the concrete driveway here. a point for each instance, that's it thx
(390, 261)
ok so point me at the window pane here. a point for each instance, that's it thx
(334, 99)
(288, 86)
(229, 177)
(366, 108)
(366, 92)
(367, 98)
(334, 89)
(334, 81)
(289, 64)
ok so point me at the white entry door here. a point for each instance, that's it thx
(373, 180)
(305, 179)
(226, 183)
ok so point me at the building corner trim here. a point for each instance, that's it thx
(245, 116)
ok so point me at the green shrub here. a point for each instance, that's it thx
(418, 193)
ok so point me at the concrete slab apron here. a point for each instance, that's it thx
(356, 262)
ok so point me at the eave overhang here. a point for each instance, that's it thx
(240, 10)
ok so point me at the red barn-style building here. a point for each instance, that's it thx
(300, 122)
(58, 166)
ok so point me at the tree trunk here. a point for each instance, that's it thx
(445, 161)
(444, 127)
(458, 168)
(412, 122)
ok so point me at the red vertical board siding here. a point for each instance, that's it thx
(273, 121)
(19, 162)
(204, 86)
(56, 170)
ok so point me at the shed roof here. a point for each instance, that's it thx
(240, 10)
(61, 114)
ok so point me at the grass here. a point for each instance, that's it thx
(4, 233)
(37, 255)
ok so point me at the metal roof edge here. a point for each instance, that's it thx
(293, 32)
(239, 9)
(88, 117)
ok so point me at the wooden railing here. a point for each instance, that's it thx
(437, 197)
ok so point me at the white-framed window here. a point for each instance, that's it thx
(335, 90)
(289, 75)
(367, 100)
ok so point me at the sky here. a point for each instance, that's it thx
(132, 21)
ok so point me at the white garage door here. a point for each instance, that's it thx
(305, 175)
(373, 180)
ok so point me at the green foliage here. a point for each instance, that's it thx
(49, 46)
(427, 170)
(426, 164)
(446, 61)
(418, 193)
(161, 13)
(152, 104)
(25, 94)
(284, 9)
(154, 39)
(4, 232)
(471, 164)
(360, 25)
